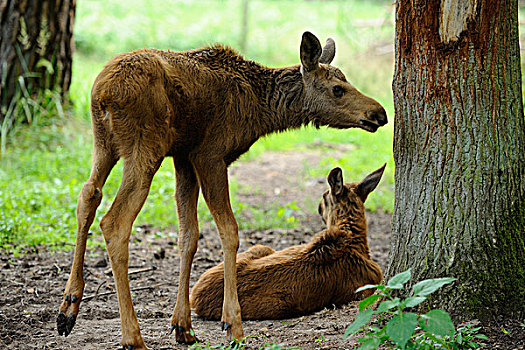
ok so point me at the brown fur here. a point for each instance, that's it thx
(204, 108)
(305, 278)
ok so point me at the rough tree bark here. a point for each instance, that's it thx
(33, 32)
(459, 150)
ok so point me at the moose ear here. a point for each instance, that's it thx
(335, 180)
(328, 51)
(310, 52)
(369, 183)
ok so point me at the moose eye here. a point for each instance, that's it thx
(338, 91)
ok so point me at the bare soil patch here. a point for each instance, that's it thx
(31, 285)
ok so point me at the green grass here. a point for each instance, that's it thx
(103, 28)
(366, 152)
(40, 178)
(46, 163)
(43, 172)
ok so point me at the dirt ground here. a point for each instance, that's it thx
(31, 285)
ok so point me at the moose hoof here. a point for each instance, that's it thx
(183, 336)
(67, 314)
(132, 347)
(233, 334)
(65, 323)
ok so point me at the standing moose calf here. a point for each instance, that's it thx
(305, 278)
(204, 108)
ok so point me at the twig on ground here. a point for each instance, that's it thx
(98, 288)
(109, 271)
(145, 269)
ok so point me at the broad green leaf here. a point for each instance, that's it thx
(401, 327)
(399, 279)
(368, 301)
(365, 287)
(413, 301)
(361, 319)
(370, 344)
(481, 336)
(396, 286)
(387, 305)
(427, 287)
(438, 322)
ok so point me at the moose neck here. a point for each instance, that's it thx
(281, 91)
(278, 93)
(355, 227)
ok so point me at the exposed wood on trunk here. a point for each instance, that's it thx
(455, 15)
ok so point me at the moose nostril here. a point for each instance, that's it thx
(379, 116)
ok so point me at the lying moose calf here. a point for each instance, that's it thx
(304, 278)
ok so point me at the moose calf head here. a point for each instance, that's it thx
(329, 98)
(346, 199)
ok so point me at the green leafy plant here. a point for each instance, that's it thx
(287, 211)
(465, 338)
(400, 329)
(238, 346)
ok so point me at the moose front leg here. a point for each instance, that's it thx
(213, 177)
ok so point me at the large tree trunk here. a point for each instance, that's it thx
(459, 149)
(33, 33)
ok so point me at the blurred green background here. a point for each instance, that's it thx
(44, 165)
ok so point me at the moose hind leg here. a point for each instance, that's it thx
(116, 226)
(187, 195)
(88, 201)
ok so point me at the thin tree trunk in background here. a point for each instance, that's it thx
(244, 26)
(36, 36)
(459, 149)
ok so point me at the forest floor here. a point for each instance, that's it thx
(31, 285)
